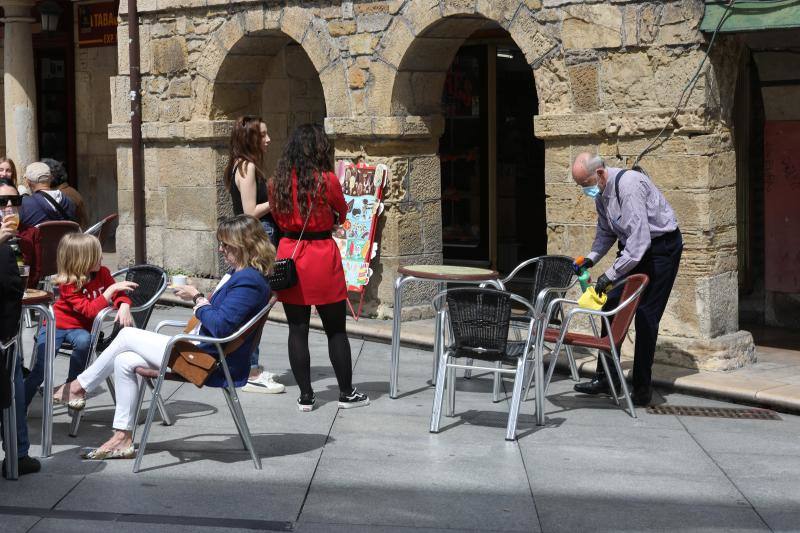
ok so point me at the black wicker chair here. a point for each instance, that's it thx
(152, 282)
(551, 277)
(478, 320)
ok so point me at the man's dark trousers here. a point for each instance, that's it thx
(660, 263)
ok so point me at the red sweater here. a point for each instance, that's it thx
(76, 309)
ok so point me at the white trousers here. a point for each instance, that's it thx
(130, 349)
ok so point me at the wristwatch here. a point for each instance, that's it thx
(197, 297)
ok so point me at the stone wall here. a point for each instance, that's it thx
(607, 74)
(96, 164)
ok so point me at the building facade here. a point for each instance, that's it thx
(477, 107)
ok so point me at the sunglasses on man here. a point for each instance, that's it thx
(14, 199)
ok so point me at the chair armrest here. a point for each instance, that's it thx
(550, 290)
(102, 316)
(170, 323)
(518, 268)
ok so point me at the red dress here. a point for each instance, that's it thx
(319, 264)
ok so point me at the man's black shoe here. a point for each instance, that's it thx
(25, 465)
(598, 385)
(642, 398)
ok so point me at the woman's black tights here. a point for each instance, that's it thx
(333, 320)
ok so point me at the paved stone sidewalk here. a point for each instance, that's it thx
(592, 468)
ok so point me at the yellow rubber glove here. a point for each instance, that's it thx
(591, 300)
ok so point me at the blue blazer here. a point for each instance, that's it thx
(232, 305)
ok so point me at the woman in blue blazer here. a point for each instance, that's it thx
(239, 297)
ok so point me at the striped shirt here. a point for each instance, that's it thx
(641, 215)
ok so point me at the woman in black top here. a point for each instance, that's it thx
(243, 177)
(248, 188)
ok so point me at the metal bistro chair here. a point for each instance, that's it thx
(102, 229)
(10, 356)
(617, 321)
(552, 277)
(50, 234)
(152, 282)
(478, 320)
(253, 327)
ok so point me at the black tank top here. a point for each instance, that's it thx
(236, 196)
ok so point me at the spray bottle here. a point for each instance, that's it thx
(584, 278)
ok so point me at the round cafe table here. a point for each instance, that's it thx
(441, 275)
(42, 301)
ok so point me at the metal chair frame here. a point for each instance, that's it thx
(615, 344)
(445, 377)
(539, 300)
(10, 412)
(109, 313)
(228, 390)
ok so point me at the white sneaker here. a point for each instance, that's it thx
(264, 383)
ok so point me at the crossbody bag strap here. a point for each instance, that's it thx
(616, 186)
(55, 204)
(308, 217)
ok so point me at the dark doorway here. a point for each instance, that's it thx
(493, 199)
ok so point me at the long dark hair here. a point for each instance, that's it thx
(308, 153)
(246, 146)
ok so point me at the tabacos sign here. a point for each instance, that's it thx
(97, 24)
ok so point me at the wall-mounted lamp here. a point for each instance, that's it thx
(50, 11)
(505, 53)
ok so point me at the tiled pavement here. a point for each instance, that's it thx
(592, 468)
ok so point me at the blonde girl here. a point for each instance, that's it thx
(86, 288)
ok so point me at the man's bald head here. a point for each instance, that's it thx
(589, 169)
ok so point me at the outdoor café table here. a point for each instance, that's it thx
(42, 301)
(439, 274)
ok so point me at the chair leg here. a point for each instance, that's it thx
(235, 418)
(497, 383)
(241, 424)
(622, 383)
(451, 392)
(551, 367)
(10, 421)
(75, 422)
(166, 418)
(144, 385)
(516, 398)
(468, 371)
(573, 367)
(149, 422)
(438, 396)
(111, 390)
(602, 355)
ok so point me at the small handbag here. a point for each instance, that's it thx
(193, 364)
(284, 271)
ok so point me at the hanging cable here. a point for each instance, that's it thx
(686, 90)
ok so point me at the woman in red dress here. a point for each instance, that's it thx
(305, 192)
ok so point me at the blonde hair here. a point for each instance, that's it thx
(247, 241)
(77, 254)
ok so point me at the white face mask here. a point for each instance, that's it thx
(591, 191)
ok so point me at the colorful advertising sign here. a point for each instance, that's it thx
(363, 191)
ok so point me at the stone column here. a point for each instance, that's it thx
(19, 84)
(410, 228)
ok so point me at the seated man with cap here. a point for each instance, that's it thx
(43, 204)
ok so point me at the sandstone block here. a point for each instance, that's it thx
(120, 102)
(362, 44)
(356, 78)
(333, 80)
(170, 55)
(373, 7)
(627, 81)
(338, 28)
(424, 179)
(566, 203)
(554, 93)
(501, 11)
(192, 251)
(380, 88)
(180, 87)
(584, 83)
(726, 352)
(458, 7)
(373, 22)
(421, 14)
(592, 26)
(679, 23)
(396, 42)
(191, 208)
(294, 22)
